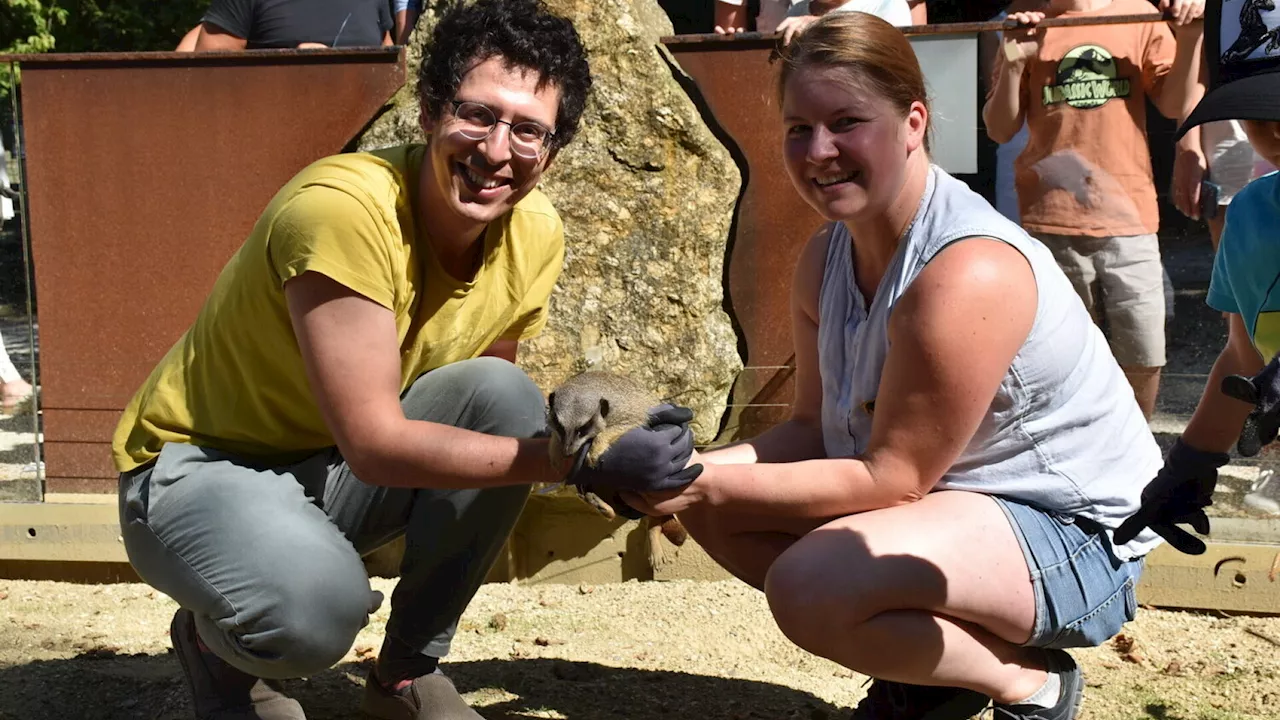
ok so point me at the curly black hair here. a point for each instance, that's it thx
(524, 33)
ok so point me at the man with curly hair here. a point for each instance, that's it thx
(351, 380)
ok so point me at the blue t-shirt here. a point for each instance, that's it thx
(1246, 270)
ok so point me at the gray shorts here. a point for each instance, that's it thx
(1121, 281)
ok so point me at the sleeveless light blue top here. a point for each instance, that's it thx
(1064, 432)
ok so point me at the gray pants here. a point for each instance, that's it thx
(267, 556)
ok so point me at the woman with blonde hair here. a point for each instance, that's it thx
(938, 511)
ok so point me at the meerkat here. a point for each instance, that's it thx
(598, 407)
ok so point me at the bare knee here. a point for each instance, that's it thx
(797, 587)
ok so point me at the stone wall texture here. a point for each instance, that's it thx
(647, 195)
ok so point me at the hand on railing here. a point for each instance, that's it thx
(1022, 39)
(1183, 12)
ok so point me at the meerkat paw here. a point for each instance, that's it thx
(658, 556)
(598, 503)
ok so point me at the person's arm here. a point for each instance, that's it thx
(226, 25)
(1003, 113)
(405, 14)
(352, 357)
(1216, 423)
(505, 349)
(1190, 164)
(213, 37)
(952, 338)
(919, 13)
(188, 41)
(1175, 94)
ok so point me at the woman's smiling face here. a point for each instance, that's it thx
(845, 148)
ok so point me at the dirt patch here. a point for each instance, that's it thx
(702, 651)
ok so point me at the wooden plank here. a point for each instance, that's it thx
(573, 545)
(46, 532)
(1236, 577)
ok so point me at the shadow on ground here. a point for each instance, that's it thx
(100, 685)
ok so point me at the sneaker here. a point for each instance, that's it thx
(1069, 698)
(887, 700)
(430, 697)
(1265, 494)
(220, 691)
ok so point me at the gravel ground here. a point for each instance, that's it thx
(701, 651)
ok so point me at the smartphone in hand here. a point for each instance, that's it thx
(1210, 192)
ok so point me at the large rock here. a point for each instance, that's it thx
(647, 195)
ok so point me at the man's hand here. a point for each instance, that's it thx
(1022, 38)
(670, 502)
(793, 26)
(645, 459)
(1184, 11)
(1263, 392)
(1190, 168)
(1178, 494)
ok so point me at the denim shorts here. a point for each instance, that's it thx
(1083, 593)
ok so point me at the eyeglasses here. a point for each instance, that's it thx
(476, 122)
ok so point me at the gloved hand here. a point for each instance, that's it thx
(644, 459)
(614, 498)
(1178, 494)
(1262, 391)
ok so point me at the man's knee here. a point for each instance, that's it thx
(492, 396)
(306, 627)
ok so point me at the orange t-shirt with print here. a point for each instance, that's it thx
(1086, 169)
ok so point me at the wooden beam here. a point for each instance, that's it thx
(60, 532)
(1235, 577)
(1239, 573)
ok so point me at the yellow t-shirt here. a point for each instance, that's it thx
(235, 381)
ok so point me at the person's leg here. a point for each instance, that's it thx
(275, 589)
(956, 603)
(950, 606)
(1216, 224)
(1077, 256)
(1132, 278)
(13, 389)
(452, 537)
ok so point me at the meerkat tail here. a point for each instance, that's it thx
(672, 529)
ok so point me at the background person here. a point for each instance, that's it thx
(1084, 181)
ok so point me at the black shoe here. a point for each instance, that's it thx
(887, 700)
(221, 692)
(1069, 698)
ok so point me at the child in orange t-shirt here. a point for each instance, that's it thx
(1084, 181)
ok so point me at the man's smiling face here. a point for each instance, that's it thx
(474, 182)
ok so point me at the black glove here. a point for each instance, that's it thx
(1262, 391)
(644, 459)
(1178, 494)
(614, 498)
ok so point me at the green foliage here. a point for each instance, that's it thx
(125, 25)
(34, 26)
(26, 26)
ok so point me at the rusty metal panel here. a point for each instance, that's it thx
(144, 173)
(736, 81)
